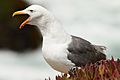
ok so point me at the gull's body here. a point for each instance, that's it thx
(61, 50)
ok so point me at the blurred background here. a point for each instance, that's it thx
(97, 21)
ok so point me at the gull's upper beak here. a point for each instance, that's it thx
(20, 13)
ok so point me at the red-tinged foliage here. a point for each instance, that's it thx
(102, 70)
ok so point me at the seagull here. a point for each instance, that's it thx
(61, 50)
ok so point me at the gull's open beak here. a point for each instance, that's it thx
(20, 13)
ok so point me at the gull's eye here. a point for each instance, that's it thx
(31, 10)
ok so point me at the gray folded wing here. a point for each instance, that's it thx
(83, 52)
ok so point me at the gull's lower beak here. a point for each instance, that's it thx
(20, 13)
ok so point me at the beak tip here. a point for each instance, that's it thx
(13, 14)
(20, 28)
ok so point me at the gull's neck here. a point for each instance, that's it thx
(52, 30)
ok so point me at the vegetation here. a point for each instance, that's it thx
(103, 70)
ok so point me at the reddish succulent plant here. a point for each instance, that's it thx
(102, 70)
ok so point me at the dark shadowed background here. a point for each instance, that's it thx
(11, 37)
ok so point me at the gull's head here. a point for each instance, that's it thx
(35, 12)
